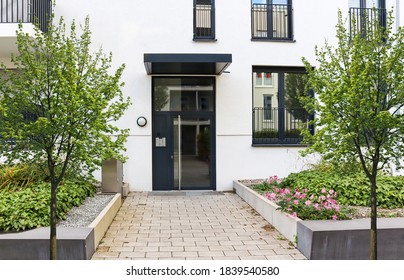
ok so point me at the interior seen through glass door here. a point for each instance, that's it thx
(191, 152)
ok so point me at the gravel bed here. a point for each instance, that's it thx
(83, 215)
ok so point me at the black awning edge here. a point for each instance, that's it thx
(180, 64)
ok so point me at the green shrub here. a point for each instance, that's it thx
(29, 207)
(18, 176)
(352, 188)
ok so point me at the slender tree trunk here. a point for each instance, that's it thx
(53, 222)
(373, 219)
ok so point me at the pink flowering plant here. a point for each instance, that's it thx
(298, 203)
(268, 185)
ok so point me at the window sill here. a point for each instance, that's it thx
(275, 142)
(204, 39)
(280, 145)
(273, 40)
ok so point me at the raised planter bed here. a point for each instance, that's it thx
(283, 222)
(73, 243)
(350, 239)
(330, 240)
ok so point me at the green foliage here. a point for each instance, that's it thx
(359, 84)
(18, 176)
(267, 185)
(28, 208)
(352, 188)
(61, 105)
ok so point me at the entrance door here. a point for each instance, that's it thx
(192, 152)
(183, 134)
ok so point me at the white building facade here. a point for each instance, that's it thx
(217, 82)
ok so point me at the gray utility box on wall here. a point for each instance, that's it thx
(112, 176)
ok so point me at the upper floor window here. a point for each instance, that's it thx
(204, 19)
(263, 79)
(363, 12)
(271, 19)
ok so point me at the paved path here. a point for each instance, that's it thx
(191, 225)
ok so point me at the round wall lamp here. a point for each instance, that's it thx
(141, 121)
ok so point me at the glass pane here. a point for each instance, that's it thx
(296, 116)
(183, 94)
(265, 103)
(372, 3)
(280, 2)
(267, 79)
(192, 152)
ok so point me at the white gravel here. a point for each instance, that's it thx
(83, 215)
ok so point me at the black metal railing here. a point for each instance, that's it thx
(271, 21)
(26, 11)
(204, 20)
(361, 20)
(279, 125)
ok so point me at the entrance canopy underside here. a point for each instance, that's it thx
(186, 64)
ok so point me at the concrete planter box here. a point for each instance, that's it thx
(73, 243)
(283, 222)
(330, 240)
(350, 239)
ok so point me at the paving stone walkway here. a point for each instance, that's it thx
(194, 226)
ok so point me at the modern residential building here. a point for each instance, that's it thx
(215, 84)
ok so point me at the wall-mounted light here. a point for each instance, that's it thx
(141, 121)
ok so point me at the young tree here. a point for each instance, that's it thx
(359, 85)
(59, 106)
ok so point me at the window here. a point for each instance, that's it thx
(204, 19)
(267, 107)
(263, 79)
(271, 19)
(183, 94)
(278, 115)
(361, 12)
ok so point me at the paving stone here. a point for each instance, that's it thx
(194, 227)
(210, 253)
(120, 249)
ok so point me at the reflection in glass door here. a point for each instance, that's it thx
(191, 152)
(183, 133)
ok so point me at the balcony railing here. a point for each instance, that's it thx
(279, 125)
(26, 11)
(361, 20)
(271, 21)
(204, 20)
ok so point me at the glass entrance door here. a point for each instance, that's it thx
(183, 133)
(192, 152)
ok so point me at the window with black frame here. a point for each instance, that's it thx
(271, 19)
(204, 19)
(278, 113)
(363, 12)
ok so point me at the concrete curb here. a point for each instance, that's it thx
(283, 222)
(102, 222)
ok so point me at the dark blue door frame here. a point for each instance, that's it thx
(163, 148)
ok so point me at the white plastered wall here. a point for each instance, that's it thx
(131, 28)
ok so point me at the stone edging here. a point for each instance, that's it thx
(283, 222)
(102, 222)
